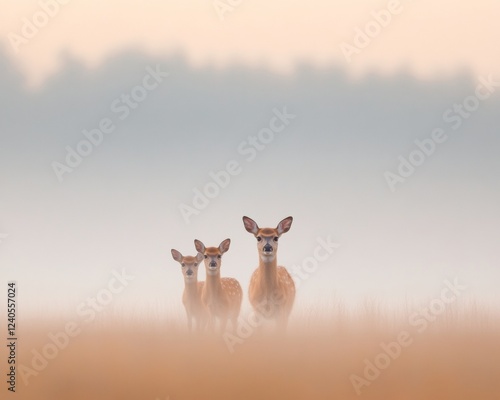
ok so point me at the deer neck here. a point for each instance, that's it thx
(213, 284)
(191, 289)
(269, 271)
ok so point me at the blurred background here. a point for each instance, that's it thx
(362, 82)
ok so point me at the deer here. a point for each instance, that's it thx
(220, 296)
(272, 290)
(191, 298)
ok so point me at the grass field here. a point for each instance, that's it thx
(456, 357)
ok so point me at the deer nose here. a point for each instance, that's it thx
(213, 264)
(189, 272)
(268, 248)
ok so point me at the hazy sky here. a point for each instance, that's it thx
(226, 82)
(424, 36)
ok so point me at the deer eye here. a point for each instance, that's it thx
(276, 238)
(206, 256)
(219, 256)
(195, 264)
(183, 265)
(259, 238)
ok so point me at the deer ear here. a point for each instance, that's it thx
(285, 225)
(176, 255)
(250, 225)
(224, 246)
(199, 257)
(200, 247)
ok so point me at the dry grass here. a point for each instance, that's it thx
(458, 358)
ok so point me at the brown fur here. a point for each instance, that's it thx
(272, 290)
(191, 297)
(220, 296)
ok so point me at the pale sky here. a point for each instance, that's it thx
(425, 37)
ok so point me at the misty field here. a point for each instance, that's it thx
(344, 355)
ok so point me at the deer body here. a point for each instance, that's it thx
(272, 290)
(191, 297)
(220, 296)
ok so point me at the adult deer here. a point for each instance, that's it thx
(221, 296)
(191, 298)
(271, 291)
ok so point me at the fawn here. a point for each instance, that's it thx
(272, 290)
(221, 296)
(191, 297)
